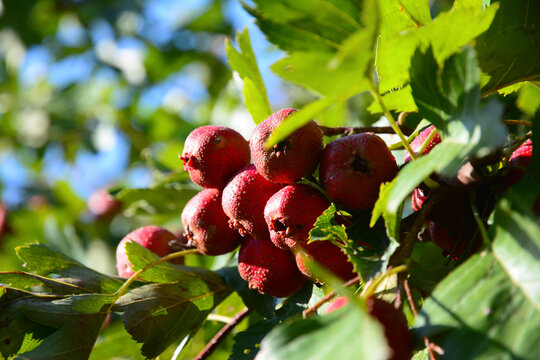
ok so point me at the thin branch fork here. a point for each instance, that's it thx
(222, 334)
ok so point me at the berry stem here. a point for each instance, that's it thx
(345, 131)
(308, 312)
(391, 120)
(370, 289)
(479, 222)
(222, 334)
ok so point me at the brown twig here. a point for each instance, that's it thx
(308, 312)
(431, 347)
(220, 336)
(344, 131)
(518, 122)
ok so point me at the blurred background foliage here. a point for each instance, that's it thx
(98, 94)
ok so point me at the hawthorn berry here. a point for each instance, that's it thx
(206, 225)
(419, 140)
(353, 168)
(244, 199)
(393, 321)
(327, 255)
(103, 205)
(421, 193)
(154, 238)
(518, 163)
(291, 213)
(213, 154)
(290, 159)
(268, 269)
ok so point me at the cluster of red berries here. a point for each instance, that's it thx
(451, 224)
(263, 208)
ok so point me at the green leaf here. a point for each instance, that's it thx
(61, 286)
(397, 100)
(326, 228)
(528, 99)
(159, 314)
(263, 304)
(76, 332)
(165, 272)
(416, 171)
(347, 334)
(42, 260)
(395, 19)
(319, 25)
(18, 333)
(508, 51)
(245, 64)
(517, 248)
(168, 198)
(446, 34)
(477, 311)
(247, 342)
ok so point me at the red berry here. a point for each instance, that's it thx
(103, 205)
(338, 303)
(518, 163)
(395, 327)
(353, 168)
(393, 321)
(154, 238)
(3, 220)
(325, 254)
(452, 247)
(207, 226)
(292, 158)
(268, 269)
(291, 213)
(418, 141)
(244, 199)
(418, 197)
(213, 154)
(420, 194)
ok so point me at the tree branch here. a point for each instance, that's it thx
(222, 334)
(345, 131)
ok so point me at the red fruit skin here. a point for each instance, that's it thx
(103, 205)
(416, 144)
(326, 255)
(244, 199)
(154, 238)
(395, 327)
(207, 226)
(353, 168)
(518, 163)
(393, 321)
(291, 159)
(420, 194)
(268, 269)
(338, 303)
(291, 213)
(453, 248)
(213, 154)
(3, 220)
